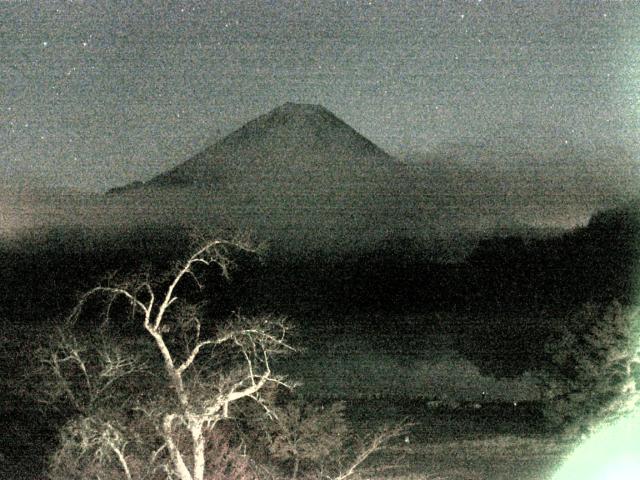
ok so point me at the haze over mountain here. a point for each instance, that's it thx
(507, 184)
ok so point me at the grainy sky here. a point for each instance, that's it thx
(96, 94)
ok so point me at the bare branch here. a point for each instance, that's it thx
(192, 356)
(376, 443)
(115, 292)
(121, 458)
(206, 255)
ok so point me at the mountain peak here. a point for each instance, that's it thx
(305, 108)
(296, 115)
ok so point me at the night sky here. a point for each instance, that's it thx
(97, 94)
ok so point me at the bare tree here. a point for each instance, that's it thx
(157, 403)
(364, 448)
(203, 373)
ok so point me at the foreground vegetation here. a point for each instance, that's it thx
(133, 380)
(499, 442)
(153, 388)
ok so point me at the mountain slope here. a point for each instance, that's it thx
(293, 141)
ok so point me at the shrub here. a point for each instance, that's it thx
(593, 368)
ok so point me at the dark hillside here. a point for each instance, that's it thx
(523, 291)
(507, 296)
(44, 273)
(503, 274)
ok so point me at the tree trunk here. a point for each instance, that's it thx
(198, 450)
(296, 465)
(176, 457)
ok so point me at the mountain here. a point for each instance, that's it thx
(293, 141)
(297, 174)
